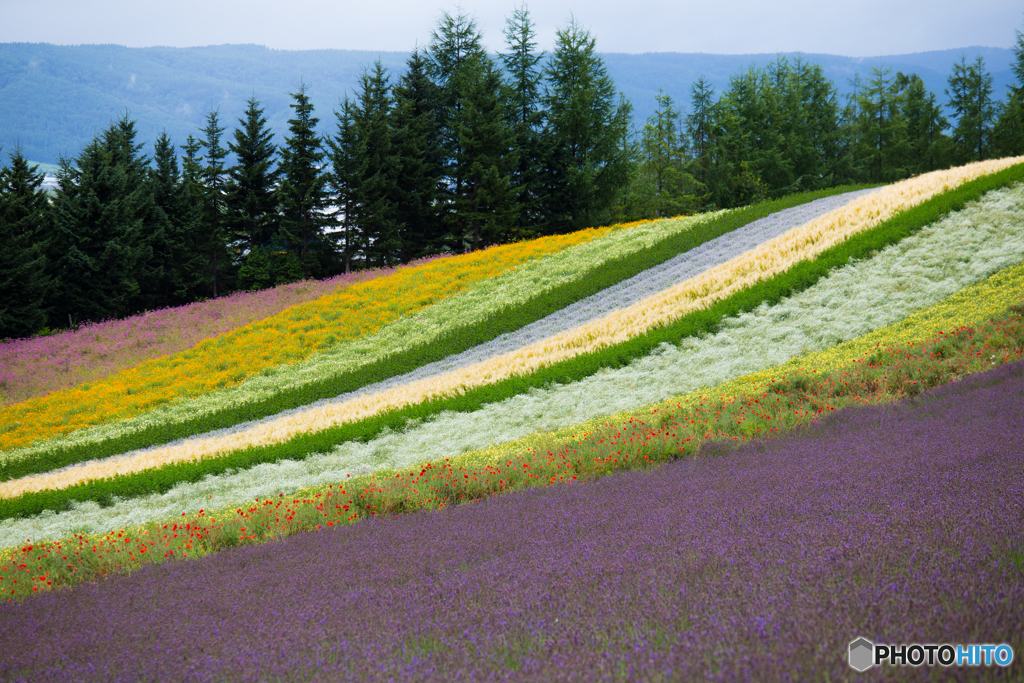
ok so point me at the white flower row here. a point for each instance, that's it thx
(773, 257)
(920, 271)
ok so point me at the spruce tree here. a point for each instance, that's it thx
(24, 212)
(700, 124)
(302, 194)
(98, 242)
(668, 190)
(752, 100)
(455, 40)
(524, 79)
(179, 262)
(417, 139)
(970, 98)
(377, 211)
(813, 137)
(347, 157)
(588, 127)
(250, 201)
(213, 180)
(485, 208)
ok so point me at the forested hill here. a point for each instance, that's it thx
(54, 99)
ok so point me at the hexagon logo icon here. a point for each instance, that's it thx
(862, 654)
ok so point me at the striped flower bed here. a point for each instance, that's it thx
(663, 373)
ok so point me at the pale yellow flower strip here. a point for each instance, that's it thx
(765, 261)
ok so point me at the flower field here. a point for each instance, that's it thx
(583, 580)
(743, 362)
(41, 365)
(291, 335)
(799, 244)
(477, 315)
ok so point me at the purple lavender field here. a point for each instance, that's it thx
(900, 523)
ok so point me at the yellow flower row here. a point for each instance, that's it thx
(292, 335)
(775, 256)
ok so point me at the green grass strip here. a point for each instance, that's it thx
(798, 278)
(500, 321)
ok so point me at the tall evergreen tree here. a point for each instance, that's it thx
(215, 203)
(302, 192)
(752, 99)
(660, 186)
(700, 123)
(1008, 132)
(454, 42)
(928, 147)
(377, 194)
(24, 212)
(417, 140)
(348, 157)
(485, 208)
(811, 136)
(179, 263)
(588, 126)
(250, 200)
(970, 98)
(98, 242)
(522, 64)
(881, 128)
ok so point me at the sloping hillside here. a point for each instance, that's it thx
(790, 328)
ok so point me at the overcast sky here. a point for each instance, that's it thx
(856, 29)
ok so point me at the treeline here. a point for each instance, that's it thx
(460, 151)
(784, 128)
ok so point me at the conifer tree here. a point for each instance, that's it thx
(343, 181)
(417, 138)
(24, 212)
(215, 203)
(881, 128)
(928, 147)
(302, 193)
(588, 127)
(377, 210)
(812, 135)
(522, 64)
(193, 199)
(970, 98)
(455, 40)
(757, 135)
(250, 201)
(179, 263)
(98, 242)
(660, 186)
(485, 208)
(700, 124)
(1008, 131)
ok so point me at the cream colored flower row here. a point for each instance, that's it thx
(774, 257)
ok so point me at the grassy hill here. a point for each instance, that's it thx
(780, 427)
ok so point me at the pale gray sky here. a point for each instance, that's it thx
(864, 28)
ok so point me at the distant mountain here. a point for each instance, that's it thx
(54, 99)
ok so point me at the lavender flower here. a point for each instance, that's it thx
(899, 523)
